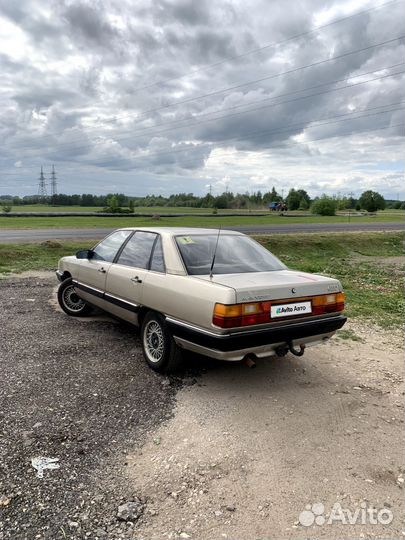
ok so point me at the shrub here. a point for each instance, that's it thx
(325, 206)
(6, 208)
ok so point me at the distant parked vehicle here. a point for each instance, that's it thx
(217, 293)
(278, 207)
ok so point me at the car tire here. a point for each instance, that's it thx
(159, 348)
(70, 302)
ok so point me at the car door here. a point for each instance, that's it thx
(92, 274)
(125, 278)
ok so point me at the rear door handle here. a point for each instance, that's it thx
(102, 270)
(136, 279)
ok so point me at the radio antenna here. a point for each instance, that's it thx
(215, 252)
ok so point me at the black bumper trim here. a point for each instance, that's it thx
(249, 339)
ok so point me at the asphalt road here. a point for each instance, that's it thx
(18, 236)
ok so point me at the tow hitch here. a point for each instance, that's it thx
(282, 350)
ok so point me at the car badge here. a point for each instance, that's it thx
(293, 290)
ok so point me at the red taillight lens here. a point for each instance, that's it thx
(235, 315)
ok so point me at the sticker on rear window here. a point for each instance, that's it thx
(186, 240)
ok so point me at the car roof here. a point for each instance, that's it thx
(173, 231)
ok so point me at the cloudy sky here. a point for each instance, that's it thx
(166, 96)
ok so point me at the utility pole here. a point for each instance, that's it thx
(54, 187)
(42, 185)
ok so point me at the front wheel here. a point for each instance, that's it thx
(70, 302)
(159, 348)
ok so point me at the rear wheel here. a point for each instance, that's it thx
(159, 348)
(70, 302)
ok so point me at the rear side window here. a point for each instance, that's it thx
(107, 249)
(138, 250)
(157, 263)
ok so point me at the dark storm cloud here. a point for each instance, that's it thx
(97, 82)
(88, 23)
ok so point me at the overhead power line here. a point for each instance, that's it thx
(142, 114)
(265, 47)
(232, 153)
(255, 134)
(79, 143)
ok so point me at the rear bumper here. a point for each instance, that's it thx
(260, 343)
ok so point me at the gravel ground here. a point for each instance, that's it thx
(226, 452)
(76, 390)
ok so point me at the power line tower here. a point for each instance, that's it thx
(54, 187)
(42, 185)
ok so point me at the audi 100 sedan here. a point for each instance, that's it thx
(218, 293)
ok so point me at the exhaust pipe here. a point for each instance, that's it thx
(249, 362)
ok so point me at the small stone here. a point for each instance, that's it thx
(231, 508)
(184, 535)
(4, 501)
(73, 524)
(174, 495)
(400, 481)
(130, 511)
(218, 513)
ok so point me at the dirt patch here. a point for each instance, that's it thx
(35, 274)
(384, 261)
(247, 450)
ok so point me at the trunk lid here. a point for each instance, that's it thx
(276, 285)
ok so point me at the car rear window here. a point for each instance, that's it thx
(235, 254)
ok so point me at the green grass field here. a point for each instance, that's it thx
(369, 265)
(88, 222)
(170, 210)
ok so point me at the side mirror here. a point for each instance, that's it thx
(85, 254)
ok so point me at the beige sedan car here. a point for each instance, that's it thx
(217, 293)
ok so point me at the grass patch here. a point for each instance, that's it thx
(349, 335)
(374, 289)
(193, 220)
(15, 258)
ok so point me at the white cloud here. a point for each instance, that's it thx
(78, 89)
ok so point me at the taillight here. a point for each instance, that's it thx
(248, 314)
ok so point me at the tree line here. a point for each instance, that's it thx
(296, 199)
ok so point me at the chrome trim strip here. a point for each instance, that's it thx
(80, 284)
(107, 296)
(193, 327)
(249, 329)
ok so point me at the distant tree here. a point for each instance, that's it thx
(371, 201)
(87, 199)
(6, 208)
(397, 205)
(304, 204)
(293, 199)
(271, 196)
(324, 206)
(131, 205)
(221, 201)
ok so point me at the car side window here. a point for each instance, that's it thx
(138, 250)
(108, 248)
(157, 263)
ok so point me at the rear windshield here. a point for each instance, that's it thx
(234, 254)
